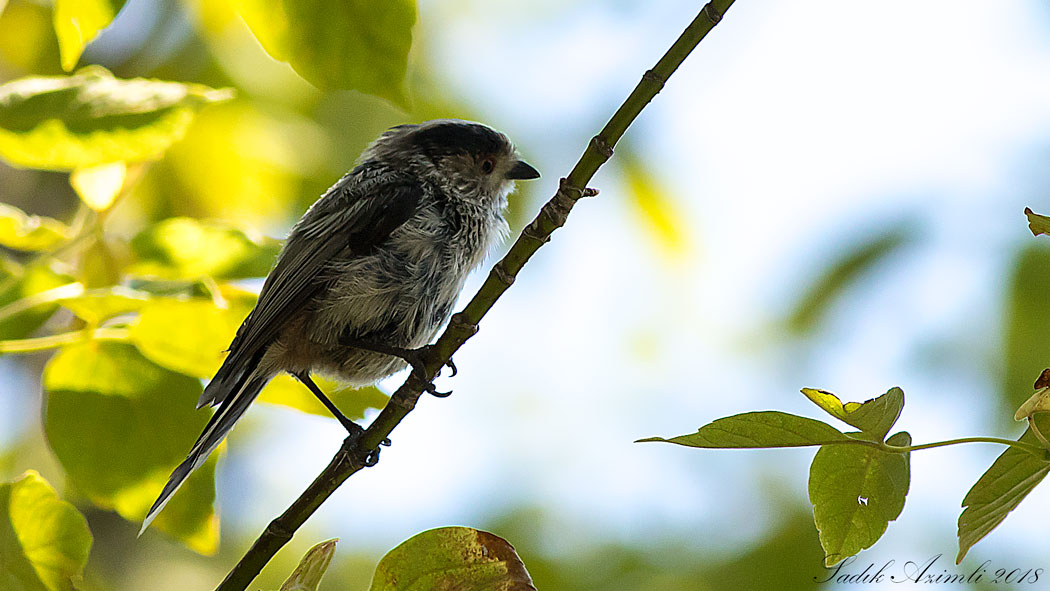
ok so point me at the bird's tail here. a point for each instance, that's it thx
(220, 424)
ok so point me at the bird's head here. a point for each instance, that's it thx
(466, 158)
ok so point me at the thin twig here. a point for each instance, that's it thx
(352, 455)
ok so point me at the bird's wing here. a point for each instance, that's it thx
(356, 214)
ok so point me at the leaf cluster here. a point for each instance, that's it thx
(135, 325)
(858, 480)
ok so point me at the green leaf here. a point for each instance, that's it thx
(307, 576)
(188, 335)
(19, 231)
(119, 424)
(34, 280)
(1001, 489)
(460, 558)
(285, 390)
(874, 417)
(77, 22)
(184, 248)
(1027, 325)
(844, 272)
(95, 305)
(355, 45)
(92, 118)
(856, 491)
(1038, 224)
(44, 541)
(759, 429)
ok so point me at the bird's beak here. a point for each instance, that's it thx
(522, 171)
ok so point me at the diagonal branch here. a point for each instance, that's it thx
(353, 455)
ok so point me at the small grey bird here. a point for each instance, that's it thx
(370, 272)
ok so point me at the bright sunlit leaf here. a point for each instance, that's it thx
(1001, 488)
(27, 39)
(96, 305)
(92, 118)
(44, 541)
(759, 429)
(77, 22)
(20, 231)
(875, 417)
(460, 558)
(856, 491)
(99, 185)
(343, 45)
(655, 208)
(307, 576)
(34, 279)
(184, 248)
(119, 424)
(246, 164)
(188, 335)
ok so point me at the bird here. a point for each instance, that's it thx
(370, 273)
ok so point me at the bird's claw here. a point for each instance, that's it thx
(433, 391)
(372, 458)
(414, 358)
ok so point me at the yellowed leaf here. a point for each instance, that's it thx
(99, 185)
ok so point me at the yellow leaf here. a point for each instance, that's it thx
(656, 209)
(77, 22)
(99, 185)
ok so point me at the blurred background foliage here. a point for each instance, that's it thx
(802, 206)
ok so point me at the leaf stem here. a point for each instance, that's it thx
(1028, 447)
(1038, 434)
(66, 338)
(62, 292)
(352, 456)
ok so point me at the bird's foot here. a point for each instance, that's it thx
(414, 357)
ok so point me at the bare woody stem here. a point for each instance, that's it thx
(351, 456)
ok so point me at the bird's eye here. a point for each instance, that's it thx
(487, 165)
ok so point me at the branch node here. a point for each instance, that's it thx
(277, 530)
(652, 76)
(589, 192)
(502, 274)
(602, 145)
(459, 320)
(712, 13)
(533, 232)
